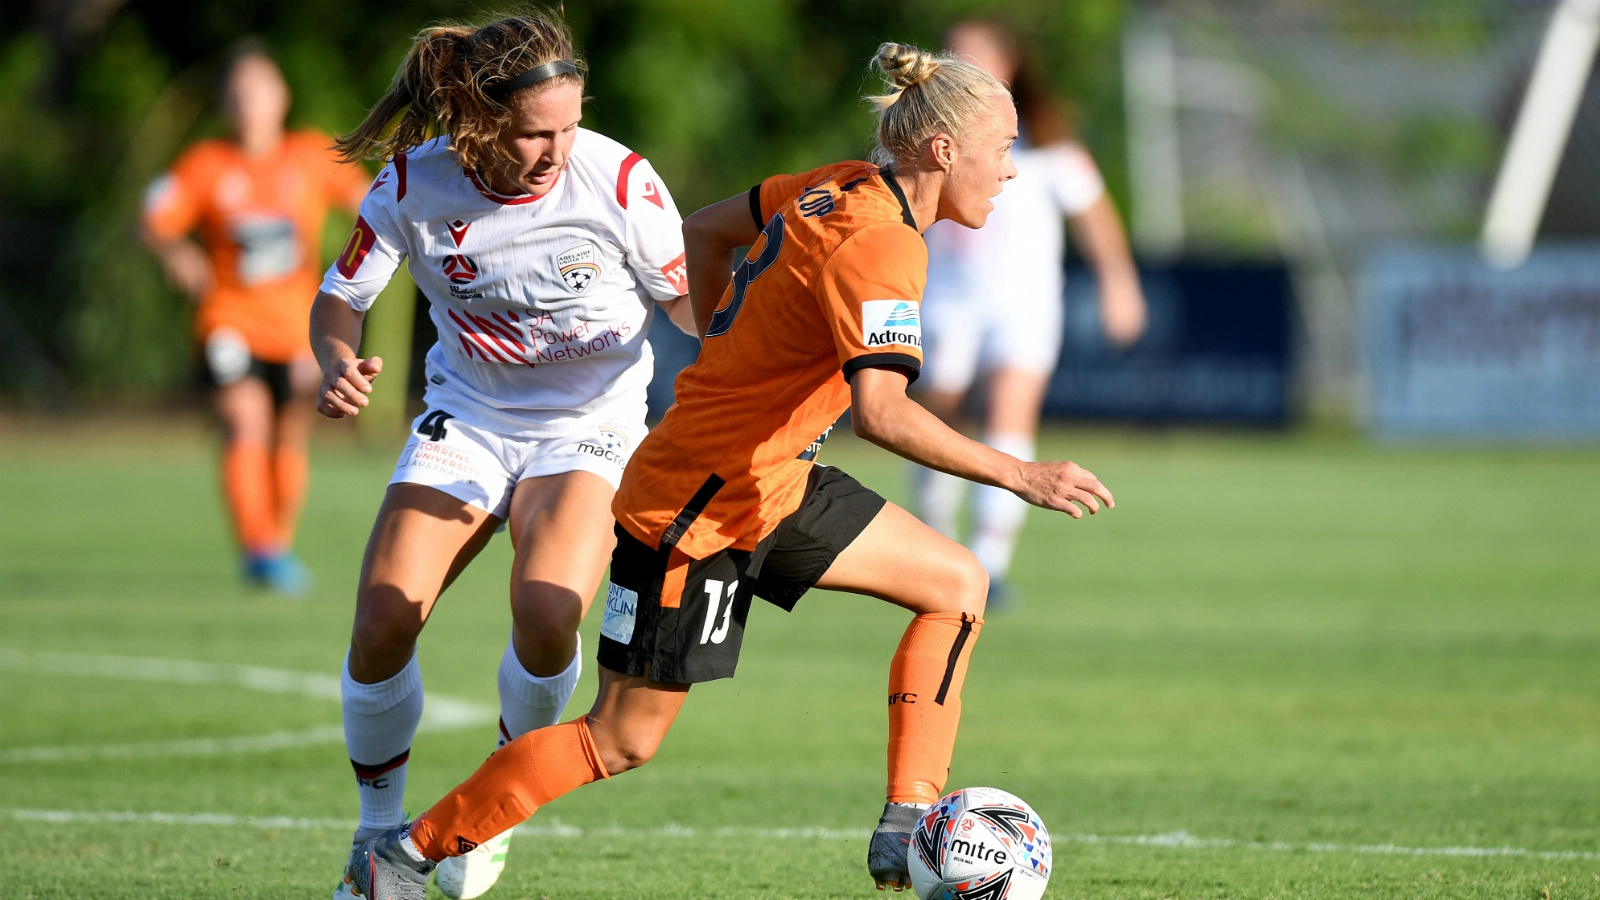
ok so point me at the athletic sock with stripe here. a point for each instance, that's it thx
(529, 701)
(379, 722)
(925, 680)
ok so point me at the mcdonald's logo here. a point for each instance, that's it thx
(355, 249)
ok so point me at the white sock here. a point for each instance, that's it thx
(997, 514)
(379, 722)
(939, 499)
(529, 702)
(410, 847)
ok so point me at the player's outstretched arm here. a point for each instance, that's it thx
(1099, 233)
(187, 266)
(346, 378)
(710, 236)
(881, 412)
(681, 312)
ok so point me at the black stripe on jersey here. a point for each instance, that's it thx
(691, 511)
(905, 361)
(755, 207)
(905, 208)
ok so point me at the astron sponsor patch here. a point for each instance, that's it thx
(887, 323)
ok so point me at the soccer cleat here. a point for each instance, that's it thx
(891, 845)
(362, 835)
(278, 572)
(381, 869)
(471, 874)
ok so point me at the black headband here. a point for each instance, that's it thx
(499, 92)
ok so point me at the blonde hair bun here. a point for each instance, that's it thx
(905, 65)
(928, 93)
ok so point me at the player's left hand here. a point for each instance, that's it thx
(1063, 486)
(345, 385)
(1123, 314)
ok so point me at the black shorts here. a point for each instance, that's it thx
(275, 374)
(692, 630)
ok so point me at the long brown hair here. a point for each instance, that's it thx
(1042, 114)
(446, 83)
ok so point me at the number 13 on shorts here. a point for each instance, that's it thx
(716, 627)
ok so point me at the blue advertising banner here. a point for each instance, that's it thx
(1456, 347)
(1218, 349)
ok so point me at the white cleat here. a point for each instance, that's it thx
(342, 892)
(471, 874)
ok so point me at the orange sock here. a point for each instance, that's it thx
(289, 474)
(509, 787)
(247, 481)
(925, 681)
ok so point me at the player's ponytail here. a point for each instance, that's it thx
(459, 80)
(928, 93)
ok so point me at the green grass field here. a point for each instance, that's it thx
(1282, 667)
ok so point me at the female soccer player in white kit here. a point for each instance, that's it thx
(993, 300)
(542, 248)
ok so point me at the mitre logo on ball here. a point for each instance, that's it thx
(979, 844)
(580, 266)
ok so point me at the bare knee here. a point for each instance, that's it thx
(546, 618)
(383, 638)
(962, 586)
(629, 750)
(539, 606)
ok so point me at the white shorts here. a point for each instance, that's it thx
(961, 339)
(482, 467)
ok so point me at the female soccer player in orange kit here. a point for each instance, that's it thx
(257, 202)
(722, 501)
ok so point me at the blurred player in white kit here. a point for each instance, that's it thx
(993, 301)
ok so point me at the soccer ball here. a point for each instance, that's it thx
(980, 844)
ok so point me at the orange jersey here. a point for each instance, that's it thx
(832, 285)
(260, 220)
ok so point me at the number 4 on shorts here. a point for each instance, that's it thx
(714, 599)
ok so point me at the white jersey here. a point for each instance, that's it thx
(1015, 258)
(542, 303)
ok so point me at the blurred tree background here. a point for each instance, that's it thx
(98, 96)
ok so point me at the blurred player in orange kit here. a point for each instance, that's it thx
(256, 203)
(724, 502)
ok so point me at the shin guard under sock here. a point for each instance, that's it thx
(379, 722)
(998, 514)
(290, 473)
(939, 499)
(509, 787)
(529, 702)
(247, 482)
(925, 682)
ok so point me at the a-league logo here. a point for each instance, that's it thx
(460, 268)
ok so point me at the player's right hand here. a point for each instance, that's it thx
(189, 269)
(1063, 486)
(345, 386)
